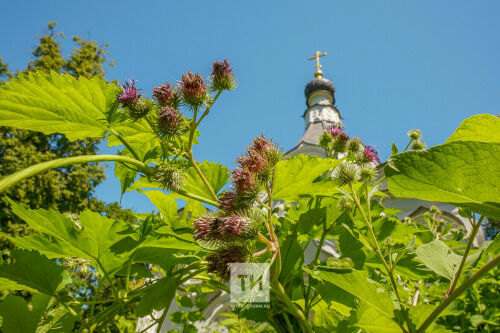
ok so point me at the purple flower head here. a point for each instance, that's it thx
(262, 145)
(193, 88)
(219, 261)
(226, 201)
(335, 131)
(243, 180)
(168, 120)
(130, 95)
(202, 229)
(221, 68)
(371, 153)
(229, 227)
(253, 161)
(163, 94)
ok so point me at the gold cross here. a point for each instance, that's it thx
(316, 56)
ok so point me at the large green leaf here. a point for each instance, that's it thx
(419, 313)
(370, 320)
(34, 272)
(19, 317)
(482, 127)
(158, 296)
(294, 177)
(94, 240)
(464, 173)
(217, 175)
(357, 283)
(58, 103)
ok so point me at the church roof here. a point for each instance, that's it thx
(312, 133)
(319, 83)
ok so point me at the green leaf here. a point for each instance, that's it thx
(419, 313)
(49, 247)
(439, 258)
(217, 175)
(482, 127)
(19, 317)
(58, 103)
(369, 319)
(394, 149)
(33, 272)
(357, 283)
(464, 173)
(126, 176)
(295, 176)
(157, 297)
(95, 239)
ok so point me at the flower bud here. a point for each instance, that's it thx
(227, 201)
(129, 95)
(345, 204)
(345, 174)
(368, 155)
(140, 109)
(417, 144)
(166, 96)
(415, 134)
(168, 121)
(219, 261)
(340, 142)
(335, 130)
(193, 89)
(367, 173)
(325, 139)
(354, 145)
(222, 76)
(169, 176)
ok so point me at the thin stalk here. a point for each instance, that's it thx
(127, 277)
(454, 282)
(381, 256)
(125, 143)
(281, 294)
(10, 180)
(463, 287)
(288, 324)
(202, 176)
(94, 300)
(162, 319)
(197, 197)
(269, 189)
(316, 257)
(208, 108)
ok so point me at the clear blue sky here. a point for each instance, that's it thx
(396, 65)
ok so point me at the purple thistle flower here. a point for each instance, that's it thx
(219, 261)
(371, 153)
(168, 120)
(226, 200)
(193, 88)
(163, 94)
(129, 95)
(202, 228)
(229, 227)
(253, 161)
(262, 145)
(243, 180)
(335, 131)
(221, 68)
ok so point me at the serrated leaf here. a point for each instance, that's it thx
(58, 103)
(157, 297)
(482, 127)
(464, 173)
(439, 258)
(357, 283)
(125, 175)
(217, 175)
(34, 272)
(369, 319)
(294, 177)
(18, 317)
(95, 239)
(418, 314)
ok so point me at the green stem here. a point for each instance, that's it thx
(125, 143)
(476, 276)
(281, 294)
(202, 176)
(381, 256)
(208, 108)
(94, 300)
(475, 228)
(197, 197)
(316, 257)
(10, 180)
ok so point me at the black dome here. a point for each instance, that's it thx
(319, 83)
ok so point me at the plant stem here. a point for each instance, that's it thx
(475, 228)
(94, 300)
(208, 108)
(463, 287)
(10, 180)
(280, 292)
(197, 197)
(381, 256)
(125, 143)
(202, 176)
(316, 257)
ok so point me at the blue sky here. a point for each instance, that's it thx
(396, 65)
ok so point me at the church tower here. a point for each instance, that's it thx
(321, 112)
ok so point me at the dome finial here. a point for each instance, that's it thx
(316, 56)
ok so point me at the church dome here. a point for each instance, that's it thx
(319, 83)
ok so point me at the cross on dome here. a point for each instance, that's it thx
(316, 56)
